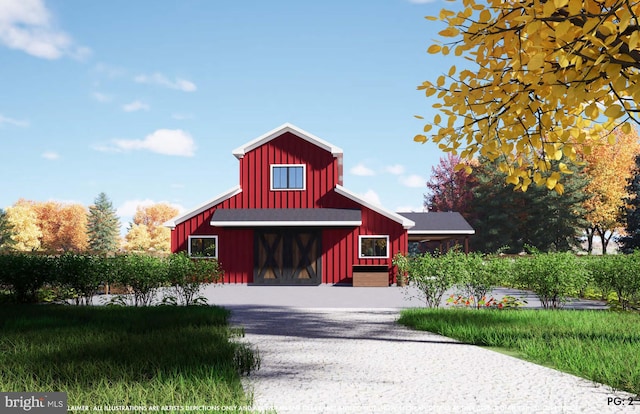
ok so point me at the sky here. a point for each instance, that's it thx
(145, 100)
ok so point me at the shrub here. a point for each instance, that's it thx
(25, 274)
(481, 276)
(433, 276)
(186, 276)
(82, 273)
(618, 273)
(552, 276)
(143, 274)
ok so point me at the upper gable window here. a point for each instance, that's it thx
(288, 176)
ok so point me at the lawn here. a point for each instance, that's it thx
(153, 356)
(598, 345)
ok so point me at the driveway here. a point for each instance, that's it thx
(330, 349)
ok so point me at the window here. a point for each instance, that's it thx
(288, 177)
(203, 246)
(374, 247)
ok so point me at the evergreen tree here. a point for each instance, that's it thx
(538, 217)
(631, 213)
(6, 230)
(103, 226)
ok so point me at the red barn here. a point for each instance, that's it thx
(290, 221)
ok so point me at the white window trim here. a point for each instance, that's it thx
(196, 236)
(304, 177)
(372, 236)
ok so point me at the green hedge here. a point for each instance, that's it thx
(553, 277)
(26, 276)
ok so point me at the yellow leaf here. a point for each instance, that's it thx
(559, 188)
(614, 111)
(434, 49)
(440, 81)
(485, 16)
(575, 7)
(560, 3)
(536, 61)
(449, 32)
(626, 128)
(420, 138)
(513, 179)
(611, 139)
(418, 116)
(427, 127)
(553, 180)
(437, 119)
(432, 18)
(634, 39)
(452, 70)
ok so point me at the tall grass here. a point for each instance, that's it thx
(124, 356)
(601, 346)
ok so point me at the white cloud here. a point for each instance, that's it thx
(159, 79)
(135, 106)
(27, 25)
(50, 155)
(414, 181)
(101, 97)
(163, 141)
(372, 197)
(11, 121)
(109, 70)
(362, 170)
(396, 169)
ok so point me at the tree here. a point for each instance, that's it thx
(24, 221)
(510, 219)
(608, 168)
(547, 75)
(103, 226)
(63, 226)
(631, 213)
(147, 230)
(450, 188)
(6, 231)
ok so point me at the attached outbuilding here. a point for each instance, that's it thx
(290, 221)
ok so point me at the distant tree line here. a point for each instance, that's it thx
(600, 199)
(53, 227)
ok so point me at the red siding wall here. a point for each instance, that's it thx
(339, 245)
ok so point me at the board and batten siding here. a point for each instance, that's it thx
(339, 244)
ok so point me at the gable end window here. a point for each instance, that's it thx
(288, 176)
(203, 246)
(373, 247)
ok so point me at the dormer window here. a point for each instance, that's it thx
(288, 176)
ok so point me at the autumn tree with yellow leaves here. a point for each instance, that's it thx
(547, 77)
(608, 168)
(147, 231)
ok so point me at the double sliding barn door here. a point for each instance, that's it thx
(287, 257)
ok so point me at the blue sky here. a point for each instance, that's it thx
(145, 100)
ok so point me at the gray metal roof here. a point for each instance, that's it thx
(438, 223)
(245, 217)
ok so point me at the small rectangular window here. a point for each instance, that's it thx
(203, 246)
(287, 177)
(374, 247)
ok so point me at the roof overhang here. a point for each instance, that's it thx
(203, 207)
(406, 223)
(286, 217)
(282, 129)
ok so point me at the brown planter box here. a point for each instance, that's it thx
(370, 276)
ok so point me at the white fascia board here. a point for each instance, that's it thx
(287, 127)
(216, 200)
(285, 223)
(406, 223)
(441, 232)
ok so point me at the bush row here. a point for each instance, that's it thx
(553, 277)
(80, 276)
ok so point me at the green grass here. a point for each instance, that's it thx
(597, 345)
(164, 355)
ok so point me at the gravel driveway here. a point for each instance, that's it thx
(354, 358)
